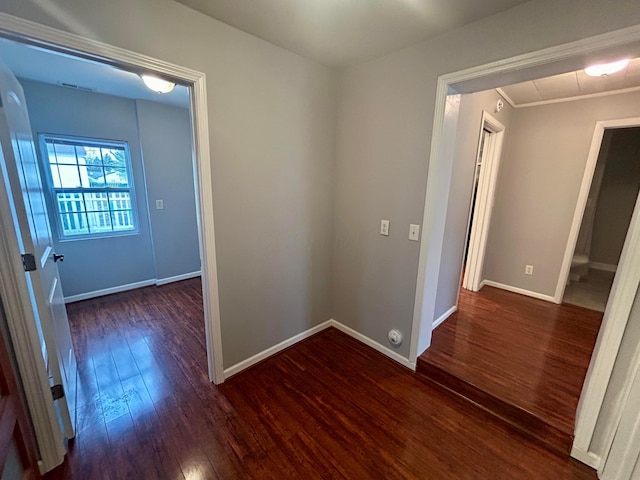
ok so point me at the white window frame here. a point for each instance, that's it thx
(53, 191)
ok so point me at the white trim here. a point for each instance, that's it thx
(14, 291)
(605, 267)
(444, 316)
(621, 462)
(588, 458)
(482, 284)
(521, 291)
(436, 196)
(614, 322)
(581, 204)
(47, 37)
(130, 286)
(269, 352)
(373, 344)
(177, 278)
(503, 94)
(578, 97)
(484, 200)
(109, 291)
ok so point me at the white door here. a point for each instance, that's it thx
(34, 236)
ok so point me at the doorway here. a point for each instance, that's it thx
(432, 267)
(482, 198)
(24, 336)
(605, 221)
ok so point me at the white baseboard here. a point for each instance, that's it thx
(130, 286)
(444, 316)
(482, 284)
(373, 344)
(109, 291)
(603, 266)
(177, 278)
(258, 357)
(239, 367)
(588, 458)
(521, 291)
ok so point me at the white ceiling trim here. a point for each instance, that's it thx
(568, 99)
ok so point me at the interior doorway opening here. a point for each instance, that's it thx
(24, 334)
(482, 198)
(596, 381)
(605, 221)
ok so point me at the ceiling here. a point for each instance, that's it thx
(572, 84)
(34, 63)
(342, 32)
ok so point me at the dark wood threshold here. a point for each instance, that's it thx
(517, 417)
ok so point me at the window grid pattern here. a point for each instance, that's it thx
(91, 183)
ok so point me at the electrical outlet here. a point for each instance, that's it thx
(384, 227)
(414, 232)
(528, 269)
(159, 204)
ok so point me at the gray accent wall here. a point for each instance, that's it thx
(618, 194)
(468, 131)
(385, 122)
(272, 130)
(97, 263)
(165, 140)
(540, 176)
(280, 203)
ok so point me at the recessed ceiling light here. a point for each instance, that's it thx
(157, 84)
(604, 69)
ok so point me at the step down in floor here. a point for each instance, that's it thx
(524, 421)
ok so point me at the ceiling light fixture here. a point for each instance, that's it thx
(604, 69)
(157, 84)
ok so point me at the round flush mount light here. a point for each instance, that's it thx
(604, 69)
(157, 84)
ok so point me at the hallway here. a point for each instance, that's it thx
(329, 407)
(525, 357)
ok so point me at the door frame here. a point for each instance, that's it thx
(439, 181)
(583, 196)
(618, 309)
(23, 333)
(485, 197)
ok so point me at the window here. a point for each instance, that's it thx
(91, 186)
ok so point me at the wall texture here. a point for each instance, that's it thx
(99, 263)
(618, 194)
(165, 139)
(457, 221)
(543, 163)
(272, 130)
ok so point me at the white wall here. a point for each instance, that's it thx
(541, 173)
(272, 128)
(386, 110)
(457, 221)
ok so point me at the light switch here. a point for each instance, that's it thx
(414, 232)
(159, 205)
(384, 227)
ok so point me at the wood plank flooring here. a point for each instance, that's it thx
(327, 408)
(516, 355)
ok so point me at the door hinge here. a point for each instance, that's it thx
(28, 262)
(57, 392)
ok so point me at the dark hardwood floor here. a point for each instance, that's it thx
(328, 408)
(523, 358)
